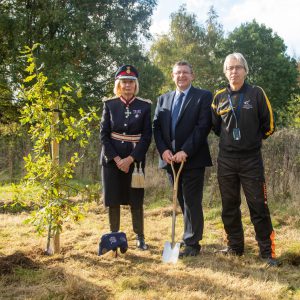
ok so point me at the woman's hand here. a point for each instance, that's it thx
(117, 159)
(124, 164)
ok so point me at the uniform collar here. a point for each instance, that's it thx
(127, 102)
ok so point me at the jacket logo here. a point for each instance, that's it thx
(247, 104)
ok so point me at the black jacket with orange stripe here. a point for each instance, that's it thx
(255, 120)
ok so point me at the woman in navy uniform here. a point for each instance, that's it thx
(125, 134)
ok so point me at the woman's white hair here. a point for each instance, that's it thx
(239, 57)
(117, 88)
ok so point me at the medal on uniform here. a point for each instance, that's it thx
(127, 112)
(136, 112)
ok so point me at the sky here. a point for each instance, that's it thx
(282, 16)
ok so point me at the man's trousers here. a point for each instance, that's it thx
(249, 173)
(190, 193)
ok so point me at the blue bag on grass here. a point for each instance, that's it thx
(113, 241)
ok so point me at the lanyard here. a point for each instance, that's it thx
(237, 113)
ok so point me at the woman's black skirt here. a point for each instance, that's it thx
(117, 187)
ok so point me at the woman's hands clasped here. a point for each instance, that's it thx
(124, 163)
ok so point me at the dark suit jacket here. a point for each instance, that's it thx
(192, 128)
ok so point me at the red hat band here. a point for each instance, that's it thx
(125, 73)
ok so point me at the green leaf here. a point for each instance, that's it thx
(79, 93)
(67, 88)
(35, 46)
(30, 68)
(29, 78)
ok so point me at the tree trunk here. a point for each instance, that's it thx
(55, 159)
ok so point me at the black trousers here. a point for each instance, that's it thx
(137, 215)
(248, 173)
(190, 194)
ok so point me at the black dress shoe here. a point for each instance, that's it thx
(182, 244)
(230, 251)
(190, 251)
(140, 242)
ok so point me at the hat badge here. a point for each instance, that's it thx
(128, 71)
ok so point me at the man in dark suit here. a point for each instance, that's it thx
(181, 125)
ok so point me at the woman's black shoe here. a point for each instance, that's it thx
(140, 243)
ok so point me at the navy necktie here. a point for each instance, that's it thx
(175, 114)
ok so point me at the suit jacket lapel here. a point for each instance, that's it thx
(169, 103)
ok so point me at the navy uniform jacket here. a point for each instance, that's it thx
(192, 128)
(131, 119)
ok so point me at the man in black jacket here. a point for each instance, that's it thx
(181, 124)
(242, 117)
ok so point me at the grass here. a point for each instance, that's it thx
(78, 273)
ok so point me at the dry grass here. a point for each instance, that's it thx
(78, 273)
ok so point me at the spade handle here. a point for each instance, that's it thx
(175, 191)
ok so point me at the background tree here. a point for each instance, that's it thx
(150, 80)
(191, 41)
(84, 41)
(290, 114)
(214, 36)
(270, 66)
(8, 111)
(182, 42)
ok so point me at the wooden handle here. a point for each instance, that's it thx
(175, 189)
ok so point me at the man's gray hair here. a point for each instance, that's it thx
(183, 63)
(239, 57)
